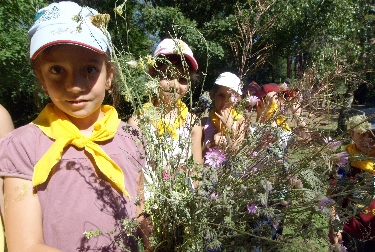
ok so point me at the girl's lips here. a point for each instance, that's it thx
(77, 101)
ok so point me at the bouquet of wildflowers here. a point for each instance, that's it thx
(272, 192)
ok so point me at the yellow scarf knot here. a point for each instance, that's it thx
(81, 142)
(54, 123)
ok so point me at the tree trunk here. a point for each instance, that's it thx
(345, 109)
(289, 63)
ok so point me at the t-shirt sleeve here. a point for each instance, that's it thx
(17, 156)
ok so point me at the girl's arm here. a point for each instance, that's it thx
(145, 226)
(6, 122)
(23, 217)
(196, 136)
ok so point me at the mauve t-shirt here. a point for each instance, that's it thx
(75, 198)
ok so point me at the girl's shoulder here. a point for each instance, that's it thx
(20, 150)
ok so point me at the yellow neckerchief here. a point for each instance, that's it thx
(280, 120)
(54, 123)
(366, 165)
(164, 126)
(220, 127)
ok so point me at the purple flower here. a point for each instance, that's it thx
(342, 159)
(214, 157)
(283, 87)
(333, 145)
(252, 208)
(324, 202)
(214, 196)
(252, 100)
(233, 97)
(343, 248)
(297, 183)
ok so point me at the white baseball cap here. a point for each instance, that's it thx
(68, 23)
(176, 46)
(229, 80)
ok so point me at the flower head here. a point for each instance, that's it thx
(132, 63)
(214, 157)
(283, 87)
(233, 97)
(324, 202)
(341, 158)
(252, 208)
(165, 175)
(332, 144)
(252, 100)
(359, 124)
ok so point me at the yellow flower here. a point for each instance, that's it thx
(151, 61)
(180, 46)
(100, 20)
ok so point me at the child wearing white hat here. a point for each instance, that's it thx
(223, 120)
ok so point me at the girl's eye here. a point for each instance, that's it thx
(56, 69)
(91, 69)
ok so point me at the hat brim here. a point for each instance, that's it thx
(193, 62)
(67, 33)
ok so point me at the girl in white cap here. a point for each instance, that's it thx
(69, 184)
(223, 120)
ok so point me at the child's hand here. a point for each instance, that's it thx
(226, 118)
(271, 97)
(219, 139)
(334, 237)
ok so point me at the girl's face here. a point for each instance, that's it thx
(173, 83)
(363, 142)
(223, 98)
(75, 79)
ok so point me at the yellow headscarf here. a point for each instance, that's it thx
(220, 127)
(366, 165)
(280, 119)
(164, 126)
(54, 123)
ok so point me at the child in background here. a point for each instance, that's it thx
(73, 170)
(175, 68)
(224, 126)
(358, 232)
(267, 109)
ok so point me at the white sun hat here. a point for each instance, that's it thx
(68, 23)
(229, 80)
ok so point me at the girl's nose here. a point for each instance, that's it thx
(77, 83)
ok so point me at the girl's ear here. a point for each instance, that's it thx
(351, 132)
(108, 83)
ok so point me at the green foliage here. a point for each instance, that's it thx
(18, 82)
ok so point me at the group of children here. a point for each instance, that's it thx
(74, 171)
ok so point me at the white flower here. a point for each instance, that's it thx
(132, 63)
(152, 86)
